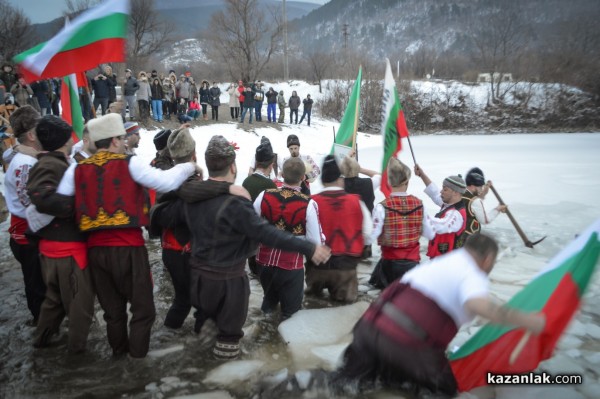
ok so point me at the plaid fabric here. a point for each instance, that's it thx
(403, 224)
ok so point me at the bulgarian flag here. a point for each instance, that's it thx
(556, 292)
(393, 126)
(69, 102)
(346, 135)
(95, 37)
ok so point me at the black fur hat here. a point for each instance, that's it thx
(161, 138)
(53, 132)
(330, 171)
(475, 177)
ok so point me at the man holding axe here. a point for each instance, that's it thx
(473, 201)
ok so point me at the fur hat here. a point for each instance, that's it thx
(455, 183)
(264, 152)
(161, 138)
(181, 144)
(106, 126)
(53, 132)
(23, 120)
(293, 140)
(475, 177)
(219, 154)
(131, 128)
(330, 171)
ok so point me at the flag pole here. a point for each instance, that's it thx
(333, 127)
(411, 149)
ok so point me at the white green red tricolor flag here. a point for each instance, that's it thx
(69, 102)
(346, 135)
(393, 126)
(556, 292)
(96, 36)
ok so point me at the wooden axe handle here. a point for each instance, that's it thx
(512, 219)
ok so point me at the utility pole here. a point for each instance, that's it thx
(345, 33)
(286, 69)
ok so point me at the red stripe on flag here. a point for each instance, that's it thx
(470, 371)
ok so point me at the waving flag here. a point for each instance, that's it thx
(96, 36)
(346, 135)
(71, 108)
(556, 292)
(393, 125)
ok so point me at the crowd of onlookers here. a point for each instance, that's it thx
(158, 96)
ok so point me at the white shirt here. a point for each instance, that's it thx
(15, 184)
(367, 223)
(308, 160)
(482, 215)
(314, 233)
(452, 221)
(450, 281)
(379, 220)
(142, 173)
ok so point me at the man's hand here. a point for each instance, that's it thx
(418, 171)
(502, 208)
(535, 322)
(239, 191)
(321, 255)
(185, 126)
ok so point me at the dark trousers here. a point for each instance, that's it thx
(121, 275)
(69, 292)
(307, 114)
(224, 301)
(215, 112)
(178, 265)
(281, 115)
(144, 107)
(338, 276)
(292, 112)
(35, 290)
(235, 112)
(281, 286)
(101, 102)
(204, 110)
(258, 111)
(387, 271)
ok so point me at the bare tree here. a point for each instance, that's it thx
(244, 38)
(16, 32)
(500, 40)
(320, 63)
(149, 34)
(76, 7)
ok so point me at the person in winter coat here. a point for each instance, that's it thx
(130, 87)
(168, 98)
(248, 104)
(204, 98)
(21, 91)
(194, 109)
(259, 97)
(307, 102)
(40, 91)
(8, 76)
(183, 88)
(215, 101)
(193, 90)
(111, 78)
(143, 96)
(182, 115)
(157, 99)
(281, 104)
(234, 101)
(101, 87)
(294, 104)
(271, 104)
(241, 89)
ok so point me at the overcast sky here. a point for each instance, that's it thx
(47, 10)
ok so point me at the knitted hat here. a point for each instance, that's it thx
(181, 144)
(330, 171)
(264, 152)
(475, 177)
(293, 140)
(106, 126)
(128, 70)
(132, 128)
(455, 183)
(53, 132)
(23, 120)
(161, 138)
(219, 154)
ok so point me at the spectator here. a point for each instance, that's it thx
(294, 104)
(112, 84)
(182, 112)
(248, 104)
(193, 90)
(101, 88)
(21, 91)
(157, 96)
(271, 104)
(194, 109)
(183, 88)
(144, 95)
(130, 87)
(168, 98)
(8, 76)
(281, 104)
(234, 101)
(215, 101)
(307, 102)
(204, 98)
(259, 97)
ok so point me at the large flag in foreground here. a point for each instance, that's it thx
(346, 135)
(96, 36)
(556, 291)
(71, 108)
(393, 125)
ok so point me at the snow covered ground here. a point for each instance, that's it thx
(550, 182)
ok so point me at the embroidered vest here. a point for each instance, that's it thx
(106, 195)
(402, 228)
(473, 225)
(341, 220)
(443, 243)
(285, 209)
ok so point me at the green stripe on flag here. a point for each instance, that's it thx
(349, 125)
(109, 27)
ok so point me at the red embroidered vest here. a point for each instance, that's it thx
(341, 220)
(402, 228)
(284, 208)
(443, 243)
(106, 195)
(473, 225)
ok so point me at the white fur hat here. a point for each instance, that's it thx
(107, 126)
